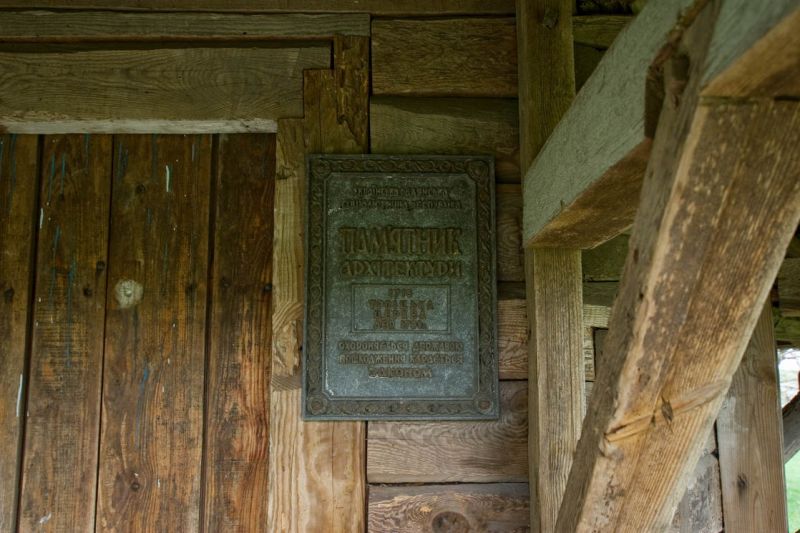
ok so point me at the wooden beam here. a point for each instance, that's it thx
(585, 184)
(375, 7)
(750, 439)
(110, 26)
(702, 231)
(791, 428)
(444, 57)
(598, 31)
(19, 212)
(185, 90)
(553, 277)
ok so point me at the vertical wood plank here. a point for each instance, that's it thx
(317, 469)
(150, 452)
(751, 439)
(19, 176)
(553, 277)
(237, 397)
(61, 437)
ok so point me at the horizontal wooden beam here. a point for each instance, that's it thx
(375, 7)
(598, 31)
(584, 186)
(83, 26)
(185, 90)
(720, 202)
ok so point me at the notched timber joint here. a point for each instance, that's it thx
(668, 411)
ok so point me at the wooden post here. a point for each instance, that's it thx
(552, 276)
(750, 439)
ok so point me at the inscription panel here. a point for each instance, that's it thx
(400, 288)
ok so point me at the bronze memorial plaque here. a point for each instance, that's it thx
(400, 288)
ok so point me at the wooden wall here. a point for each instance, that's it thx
(140, 267)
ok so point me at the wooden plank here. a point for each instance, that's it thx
(375, 7)
(151, 444)
(238, 366)
(598, 31)
(408, 125)
(556, 372)
(510, 258)
(586, 182)
(702, 230)
(789, 287)
(186, 90)
(318, 466)
(444, 57)
(700, 509)
(750, 438)
(19, 177)
(419, 509)
(465, 451)
(63, 412)
(791, 428)
(554, 299)
(109, 26)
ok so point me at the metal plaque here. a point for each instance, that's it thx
(400, 288)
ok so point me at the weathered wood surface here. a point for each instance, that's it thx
(556, 380)
(789, 287)
(63, 411)
(750, 439)
(19, 177)
(700, 509)
(556, 373)
(508, 221)
(238, 364)
(755, 51)
(586, 182)
(408, 125)
(598, 31)
(444, 57)
(318, 466)
(791, 428)
(468, 451)
(107, 26)
(702, 230)
(455, 508)
(376, 7)
(184, 90)
(153, 381)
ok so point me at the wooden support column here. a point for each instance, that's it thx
(720, 202)
(750, 439)
(552, 276)
(316, 469)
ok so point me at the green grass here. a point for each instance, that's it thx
(793, 492)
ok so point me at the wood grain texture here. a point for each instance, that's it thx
(375, 7)
(468, 451)
(455, 508)
(238, 364)
(105, 26)
(703, 231)
(151, 443)
(180, 90)
(605, 262)
(317, 467)
(19, 178)
(63, 419)
(508, 221)
(791, 428)
(582, 151)
(556, 374)
(750, 439)
(444, 57)
(700, 509)
(409, 125)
